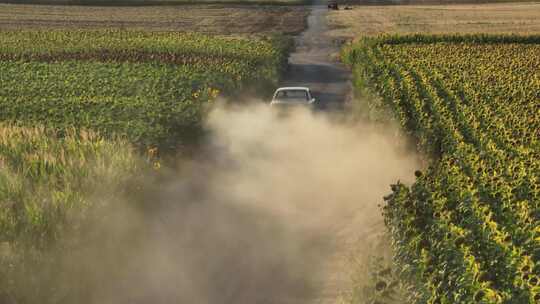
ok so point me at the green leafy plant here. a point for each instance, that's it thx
(466, 229)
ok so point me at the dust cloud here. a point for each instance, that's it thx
(253, 218)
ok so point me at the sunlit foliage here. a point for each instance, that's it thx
(468, 229)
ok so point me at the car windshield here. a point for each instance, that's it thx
(292, 95)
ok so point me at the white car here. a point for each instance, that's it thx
(292, 96)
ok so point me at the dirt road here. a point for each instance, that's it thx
(211, 19)
(314, 63)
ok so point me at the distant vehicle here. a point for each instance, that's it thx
(292, 96)
(332, 4)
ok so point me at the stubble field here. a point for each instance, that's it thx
(145, 88)
(210, 19)
(74, 105)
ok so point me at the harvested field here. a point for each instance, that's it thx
(155, 2)
(521, 18)
(211, 19)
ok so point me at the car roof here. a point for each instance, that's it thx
(292, 88)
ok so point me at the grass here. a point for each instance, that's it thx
(46, 173)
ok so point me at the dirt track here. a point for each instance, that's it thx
(272, 208)
(212, 19)
(313, 65)
(516, 18)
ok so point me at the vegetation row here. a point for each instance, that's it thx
(468, 229)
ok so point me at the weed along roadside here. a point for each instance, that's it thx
(104, 222)
(107, 220)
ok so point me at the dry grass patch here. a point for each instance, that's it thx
(522, 18)
(211, 19)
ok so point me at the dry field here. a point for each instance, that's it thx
(213, 19)
(521, 18)
(154, 2)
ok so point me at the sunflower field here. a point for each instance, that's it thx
(152, 87)
(468, 229)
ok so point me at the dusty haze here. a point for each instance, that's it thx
(253, 219)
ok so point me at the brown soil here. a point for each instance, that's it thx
(213, 19)
(353, 236)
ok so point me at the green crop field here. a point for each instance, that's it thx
(467, 231)
(158, 2)
(51, 184)
(83, 115)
